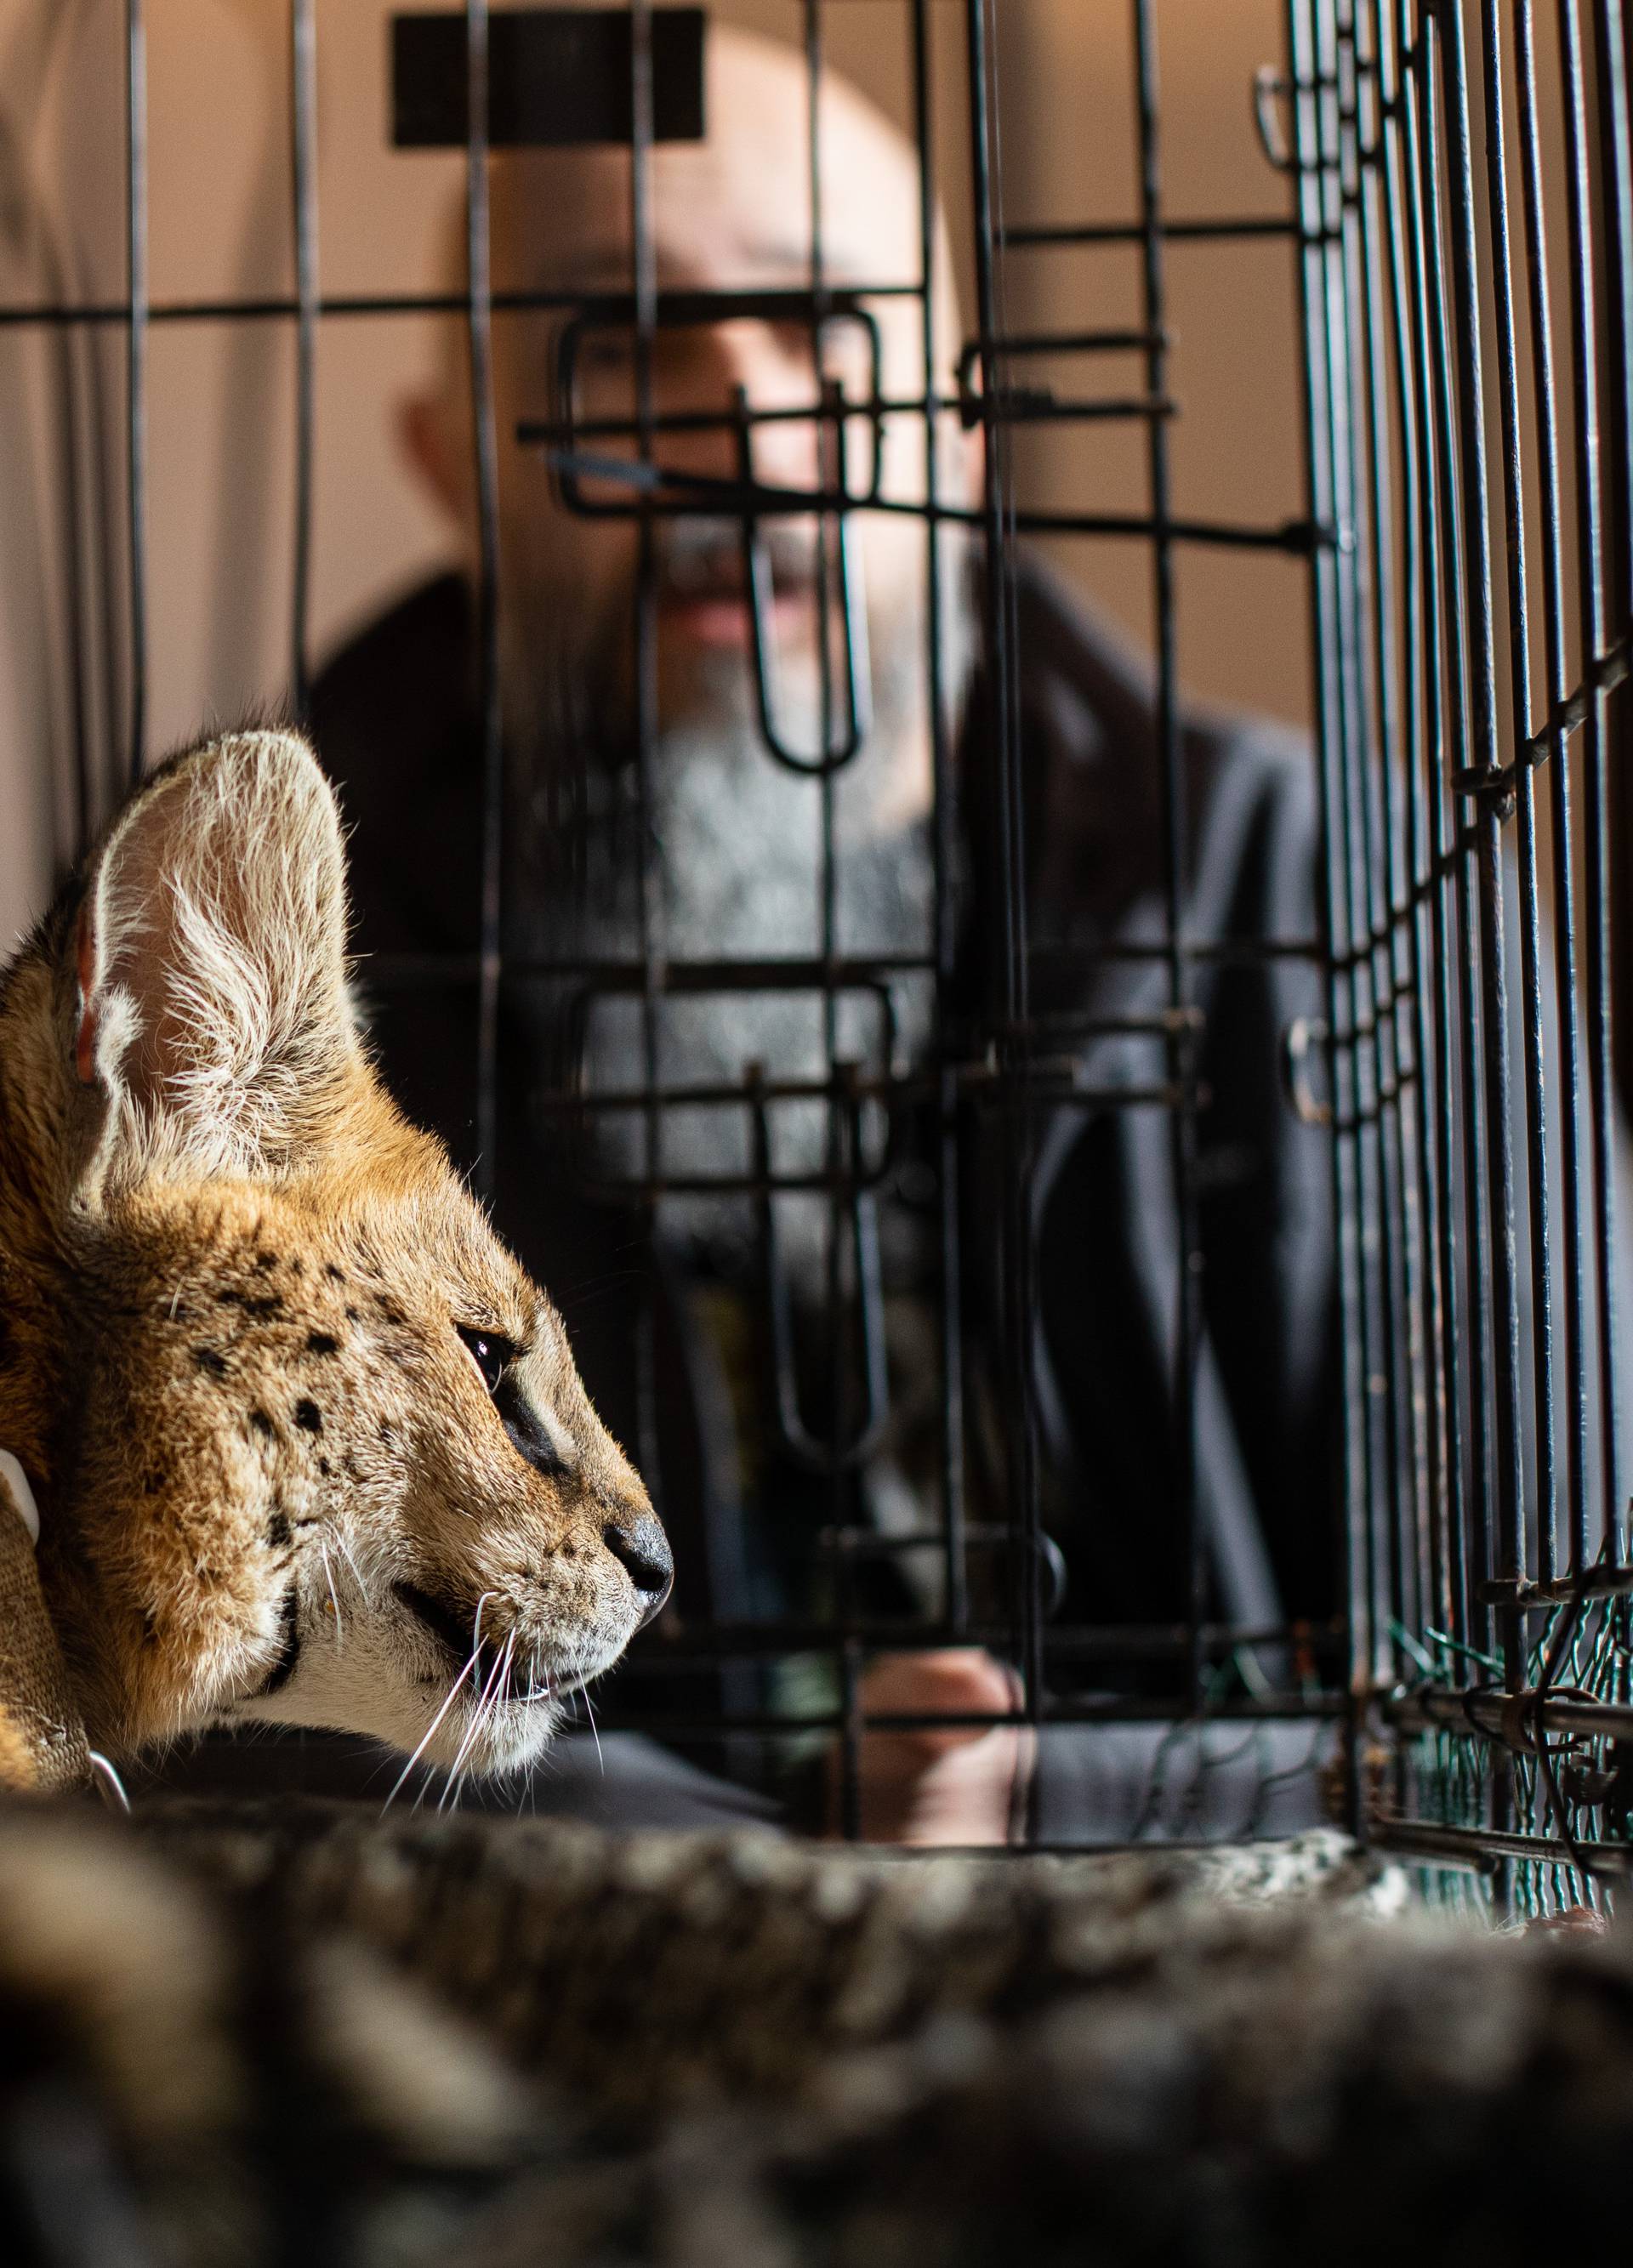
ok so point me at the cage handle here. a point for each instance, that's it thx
(801, 1444)
(759, 589)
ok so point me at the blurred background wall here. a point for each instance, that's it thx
(220, 436)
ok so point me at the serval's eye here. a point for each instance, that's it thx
(491, 1354)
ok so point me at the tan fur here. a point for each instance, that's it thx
(42, 1741)
(230, 1279)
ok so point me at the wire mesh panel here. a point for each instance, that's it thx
(1464, 190)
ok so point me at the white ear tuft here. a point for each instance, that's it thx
(211, 961)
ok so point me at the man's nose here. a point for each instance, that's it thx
(642, 1550)
(749, 360)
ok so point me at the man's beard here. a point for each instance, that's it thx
(739, 874)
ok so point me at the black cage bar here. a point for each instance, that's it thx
(1457, 227)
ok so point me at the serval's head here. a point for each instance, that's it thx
(307, 1443)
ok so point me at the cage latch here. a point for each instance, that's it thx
(1304, 1035)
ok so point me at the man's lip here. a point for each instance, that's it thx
(721, 618)
(714, 622)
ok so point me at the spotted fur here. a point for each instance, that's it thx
(272, 1481)
(287, 2028)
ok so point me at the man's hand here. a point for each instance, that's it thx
(956, 1784)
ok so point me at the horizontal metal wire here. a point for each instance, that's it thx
(680, 1650)
(1482, 1850)
(771, 1724)
(1511, 1720)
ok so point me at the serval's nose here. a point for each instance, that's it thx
(642, 1550)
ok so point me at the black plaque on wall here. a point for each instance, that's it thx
(558, 78)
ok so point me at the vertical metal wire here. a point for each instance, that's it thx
(649, 905)
(107, 445)
(1615, 152)
(78, 641)
(1461, 1089)
(1615, 518)
(1008, 985)
(1432, 815)
(1175, 820)
(304, 189)
(1317, 193)
(1494, 1103)
(136, 374)
(1362, 919)
(1392, 606)
(1563, 870)
(1544, 1482)
(1371, 745)
(828, 878)
(945, 849)
(479, 332)
(1591, 602)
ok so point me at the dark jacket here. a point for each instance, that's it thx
(1106, 1182)
(393, 719)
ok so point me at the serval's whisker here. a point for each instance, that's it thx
(431, 1730)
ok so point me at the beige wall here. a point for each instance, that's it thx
(221, 450)
(1235, 445)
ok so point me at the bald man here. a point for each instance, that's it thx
(670, 1328)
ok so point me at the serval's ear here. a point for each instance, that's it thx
(211, 1007)
(42, 1742)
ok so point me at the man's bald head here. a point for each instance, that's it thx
(732, 211)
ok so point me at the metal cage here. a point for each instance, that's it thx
(1464, 193)
(1456, 224)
